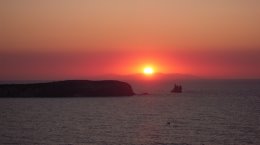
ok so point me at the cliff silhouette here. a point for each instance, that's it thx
(69, 88)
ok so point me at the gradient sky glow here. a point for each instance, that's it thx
(66, 39)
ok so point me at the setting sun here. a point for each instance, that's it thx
(148, 70)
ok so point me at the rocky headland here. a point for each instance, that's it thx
(69, 88)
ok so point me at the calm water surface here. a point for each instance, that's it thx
(209, 113)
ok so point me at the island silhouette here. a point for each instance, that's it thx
(68, 88)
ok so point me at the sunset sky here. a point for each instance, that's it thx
(69, 39)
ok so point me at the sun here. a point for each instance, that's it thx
(148, 71)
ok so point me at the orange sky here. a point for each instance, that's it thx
(70, 39)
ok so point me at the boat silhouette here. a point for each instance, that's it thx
(177, 89)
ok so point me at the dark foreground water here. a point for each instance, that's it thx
(208, 112)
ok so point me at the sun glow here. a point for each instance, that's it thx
(148, 71)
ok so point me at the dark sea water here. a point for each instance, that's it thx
(216, 112)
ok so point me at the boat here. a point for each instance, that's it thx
(177, 89)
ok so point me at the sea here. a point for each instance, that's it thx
(208, 112)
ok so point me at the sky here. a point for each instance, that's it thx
(67, 39)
